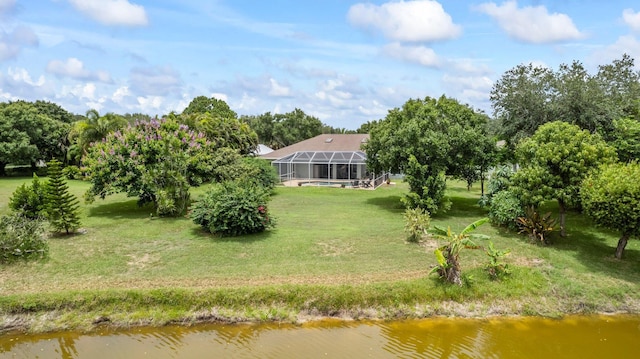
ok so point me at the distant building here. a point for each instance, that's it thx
(326, 157)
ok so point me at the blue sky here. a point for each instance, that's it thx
(345, 62)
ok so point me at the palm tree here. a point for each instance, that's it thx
(91, 129)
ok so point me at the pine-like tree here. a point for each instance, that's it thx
(62, 206)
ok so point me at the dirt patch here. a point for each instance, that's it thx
(334, 248)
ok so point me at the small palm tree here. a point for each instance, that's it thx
(448, 267)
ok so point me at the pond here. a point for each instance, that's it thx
(573, 337)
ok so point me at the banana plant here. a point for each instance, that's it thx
(447, 256)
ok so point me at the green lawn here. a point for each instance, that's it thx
(332, 250)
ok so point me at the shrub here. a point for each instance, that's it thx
(505, 209)
(72, 172)
(259, 171)
(417, 222)
(537, 226)
(496, 267)
(30, 200)
(21, 238)
(233, 208)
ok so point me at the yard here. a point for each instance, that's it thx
(334, 251)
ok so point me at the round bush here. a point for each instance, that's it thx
(30, 200)
(233, 208)
(505, 209)
(22, 238)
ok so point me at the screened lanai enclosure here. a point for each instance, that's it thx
(309, 165)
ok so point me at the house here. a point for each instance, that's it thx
(326, 158)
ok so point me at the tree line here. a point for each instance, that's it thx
(36, 132)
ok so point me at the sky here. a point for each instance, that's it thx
(344, 62)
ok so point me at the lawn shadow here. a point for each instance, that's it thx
(595, 248)
(463, 207)
(121, 210)
(596, 251)
(200, 233)
(389, 203)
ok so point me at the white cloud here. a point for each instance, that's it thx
(120, 94)
(627, 44)
(157, 81)
(632, 19)
(150, 104)
(7, 6)
(278, 90)
(423, 20)
(531, 24)
(75, 69)
(22, 75)
(11, 43)
(416, 54)
(112, 12)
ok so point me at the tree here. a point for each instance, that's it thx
(521, 103)
(156, 161)
(281, 130)
(223, 131)
(28, 135)
(626, 139)
(92, 129)
(426, 140)
(527, 96)
(611, 197)
(554, 162)
(213, 106)
(62, 206)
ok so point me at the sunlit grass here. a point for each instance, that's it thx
(333, 250)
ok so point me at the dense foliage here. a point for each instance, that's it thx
(30, 200)
(626, 139)
(92, 128)
(426, 140)
(505, 209)
(222, 131)
(233, 208)
(32, 132)
(62, 206)
(21, 238)
(527, 96)
(281, 130)
(156, 161)
(554, 162)
(611, 198)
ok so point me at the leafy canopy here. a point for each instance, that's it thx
(611, 197)
(554, 162)
(156, 161)
(426, 139)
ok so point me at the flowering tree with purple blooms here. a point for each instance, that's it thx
(156, 161)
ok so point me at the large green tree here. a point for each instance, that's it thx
(426, 139)
(223, 131)
(28, 134)
(528, 96)
(611, 197)
(554, 161)
(156, 161)
(626, 139)
(281, 130)
(214, 106)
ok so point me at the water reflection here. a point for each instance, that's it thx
(576, 337)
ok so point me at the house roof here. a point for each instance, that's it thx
(324, 142)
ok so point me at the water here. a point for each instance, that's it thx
(575, 337)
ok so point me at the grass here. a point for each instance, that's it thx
(334, 252)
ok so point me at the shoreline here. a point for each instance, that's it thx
(86, 312)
